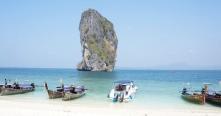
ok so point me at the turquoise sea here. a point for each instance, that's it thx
(157, 88)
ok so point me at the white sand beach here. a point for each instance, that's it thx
(41, 108)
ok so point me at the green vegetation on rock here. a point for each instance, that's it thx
(99, 42)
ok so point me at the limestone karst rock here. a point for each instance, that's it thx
(98, 41)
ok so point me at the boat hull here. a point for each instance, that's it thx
(198, 98)
(54, 94)
(70, 96)
(213, 99)
(11, 91)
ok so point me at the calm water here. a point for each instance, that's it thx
(156, 88)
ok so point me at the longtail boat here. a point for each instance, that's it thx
(16, 88)
(195, 97)
(59, 93)
(74, 92)
(213, 97)
(66, 92)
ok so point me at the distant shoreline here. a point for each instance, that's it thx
(121, 69)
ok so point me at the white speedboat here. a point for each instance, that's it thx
(122, 91)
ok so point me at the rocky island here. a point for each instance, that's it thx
(98, 41)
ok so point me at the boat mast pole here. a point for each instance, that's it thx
(204, 92)
(6, 82)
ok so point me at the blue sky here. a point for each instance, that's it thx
(158, 34)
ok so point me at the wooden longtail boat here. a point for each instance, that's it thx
(212, 97)
(73, 93)
(16, 88)
(195, 97)
(66, 93)
(59, 93)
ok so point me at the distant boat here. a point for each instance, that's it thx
(16, 88)
(122, 91)
(74, 92)
(195, 97)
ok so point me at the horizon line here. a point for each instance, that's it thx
(116, 68)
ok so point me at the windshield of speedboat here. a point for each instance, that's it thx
(120, 87)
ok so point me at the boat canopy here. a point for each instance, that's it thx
(22, 85)
(218, 93)
(123, 82)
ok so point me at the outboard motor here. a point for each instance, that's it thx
(33, 85)
(121, 97)
(115, 99)
(46, 86)
(184, 91)
(6, 82)
(203, 91)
